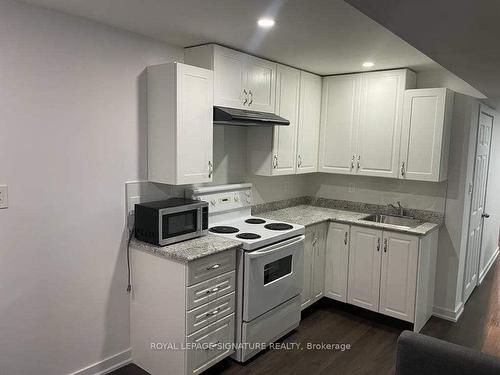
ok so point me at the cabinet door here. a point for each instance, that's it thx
(308, 125)
(337, 262)
(306, 296)
(229, 77)
(425, 134)
(398, 279)
(194, 125)
(339, 120)
(364, 267)
(379, 131)
(285, 137)
(318, 277)
(260, 84)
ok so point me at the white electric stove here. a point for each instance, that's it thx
(269, 267)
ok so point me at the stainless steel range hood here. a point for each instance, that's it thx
(243, 117)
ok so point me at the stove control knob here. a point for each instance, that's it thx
(248, 200)
(212, 202)
(247, 193)
(236, 198)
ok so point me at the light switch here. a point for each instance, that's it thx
(4, 197)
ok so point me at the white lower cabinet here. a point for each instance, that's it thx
(182, 314)
(337, 261)
(364, 267)
(384, 271)
(314, 264)
(398, 277)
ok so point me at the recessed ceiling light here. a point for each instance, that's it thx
(368, 64)
(265, 22)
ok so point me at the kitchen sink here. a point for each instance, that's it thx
(402, 221)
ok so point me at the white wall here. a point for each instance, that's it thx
(72, 131)
(491, 229)
(421, 195)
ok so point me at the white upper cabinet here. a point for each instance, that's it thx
(379, 130)
(271, 150)
(240, 80)
(260, 84)
(361, 122)
(339, 122)
(425, 136)
(180, 128)
(308, 125)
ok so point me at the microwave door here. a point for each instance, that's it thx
(180, 225)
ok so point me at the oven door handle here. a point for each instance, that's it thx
(264, 251)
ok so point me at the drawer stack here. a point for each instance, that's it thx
(210, 305)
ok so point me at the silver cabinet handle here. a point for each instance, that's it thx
(485, 215)
(403, 168)
(212, 345)
(212, 313)
(214, 267)
(352, 162)
(345, 238)
(210, 169)
(385, 245)
(251, 97)
(359, 163)
(299, 160)
(246, 96)
(213, 290)
(275, 164)
(378, 244)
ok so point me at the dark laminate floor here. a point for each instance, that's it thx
(372, 338)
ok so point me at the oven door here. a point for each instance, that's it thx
(272, 276)
(180, 224)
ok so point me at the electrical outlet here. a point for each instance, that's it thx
(4, 196)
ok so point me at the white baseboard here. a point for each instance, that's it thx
(484, 272)
(107, 365)
(448, 314)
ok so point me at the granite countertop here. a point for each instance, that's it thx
(309, 215)
(189, 250)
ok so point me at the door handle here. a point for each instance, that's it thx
(378, 244)
(251, 97)
(485, 215)
(246, 96)
(210, 169)
(403, 169)
(345, 238)
(385, 245)
(275, 164)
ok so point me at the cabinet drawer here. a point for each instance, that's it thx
(205, 268)
(210, 345)
(209, 313)
(209, 290)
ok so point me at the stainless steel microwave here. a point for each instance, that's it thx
(172, 220)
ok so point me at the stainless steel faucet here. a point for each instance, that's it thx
(399, 209)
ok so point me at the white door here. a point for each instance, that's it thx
(287, 106)
(260, 84)
(337, 262)
(306, 295)
(194, 125)
(318, 277)
(422, 133)
(379, 130)
(229, 78)
(398, 278)
(481, 164)
(364, 267)
(308, 125)
(339, 120)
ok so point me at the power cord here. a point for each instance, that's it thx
(129, 273)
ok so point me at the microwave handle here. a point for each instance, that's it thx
(258, 253)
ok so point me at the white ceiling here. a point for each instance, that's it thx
(461, 35)
(321, 36)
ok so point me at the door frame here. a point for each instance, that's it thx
(489, 112)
